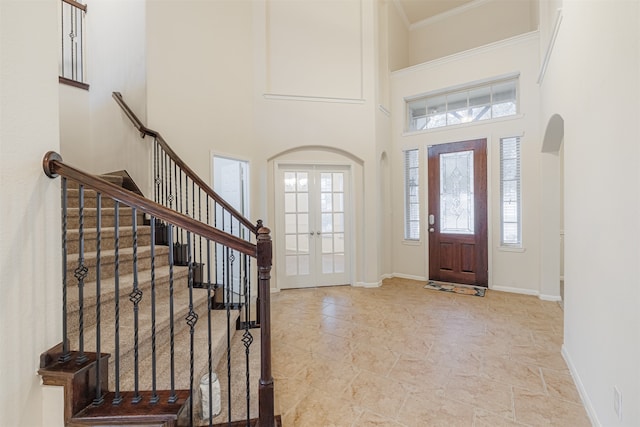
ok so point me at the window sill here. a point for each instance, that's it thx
(511, 249)
(412, 242)
(74, 83)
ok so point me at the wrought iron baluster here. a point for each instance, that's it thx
(180, 200)
(192, 319)
(99, 399)
(172, 397)
(71, 49)
(156, 177)
(135, 296)
(154, 391)
(227, 280)
(209, 320)
(170, 196)
(117, 399)
(200, 264)
(247, 338)
(80, 62)
(163, 180)
(225, 266)
(80, 274)
(66, 355)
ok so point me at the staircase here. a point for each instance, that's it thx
(153, 291)
(152, 274)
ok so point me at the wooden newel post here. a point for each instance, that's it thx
(265, 390)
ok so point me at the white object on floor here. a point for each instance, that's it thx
(215, 395)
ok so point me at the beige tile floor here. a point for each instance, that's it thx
(402, 355)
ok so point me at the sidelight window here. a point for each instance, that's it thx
(510, 197)
(411, 196)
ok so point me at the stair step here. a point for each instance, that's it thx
(181, 353)
(114, 179)
(125, 285)
(127, 330)
(125, 217)
(73, 199)
(108, 238)
(125, 262)
(140, 414)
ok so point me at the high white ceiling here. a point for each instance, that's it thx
(419, 10)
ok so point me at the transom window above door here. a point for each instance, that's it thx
(455, 106)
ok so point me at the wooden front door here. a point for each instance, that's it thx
(457, 220)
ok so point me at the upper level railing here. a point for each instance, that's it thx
(72, 43)
(153, 300)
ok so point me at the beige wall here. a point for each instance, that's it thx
(595, 62)
(480, 23)
(272, 78)
(30, 272)
(515, 271)
(398, 39)
(94, 134)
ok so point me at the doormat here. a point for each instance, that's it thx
(456, 289)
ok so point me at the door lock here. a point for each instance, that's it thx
(432, 219)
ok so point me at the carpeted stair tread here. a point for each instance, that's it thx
(107, 241)
(127, 329)
(125, 263)
(125, 285)
(182, 346)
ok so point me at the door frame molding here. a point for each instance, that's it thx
(349, 217)
(491, 139)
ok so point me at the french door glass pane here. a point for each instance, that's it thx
(456, 193)
(314, 203)
(296, 223)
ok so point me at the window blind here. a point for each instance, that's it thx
(411, 195)
(510, 197)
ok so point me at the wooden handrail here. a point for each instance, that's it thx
(54, 166)
(181, 164)
(76, 4)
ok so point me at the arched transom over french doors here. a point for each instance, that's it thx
(312, 225)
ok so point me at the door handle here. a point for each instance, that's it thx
(432, 219)
(311, 233)
(431, 230)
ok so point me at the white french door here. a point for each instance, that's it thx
(312, 225)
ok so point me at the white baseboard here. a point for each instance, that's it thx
(275, 290)
(386, 276)
(515, 290)
(581, 390)
(554, 298)
(409, 276)
(368, 284)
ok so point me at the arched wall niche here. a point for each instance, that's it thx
(552, 233)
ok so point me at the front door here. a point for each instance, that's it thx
(312, 228)
(457, 218)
